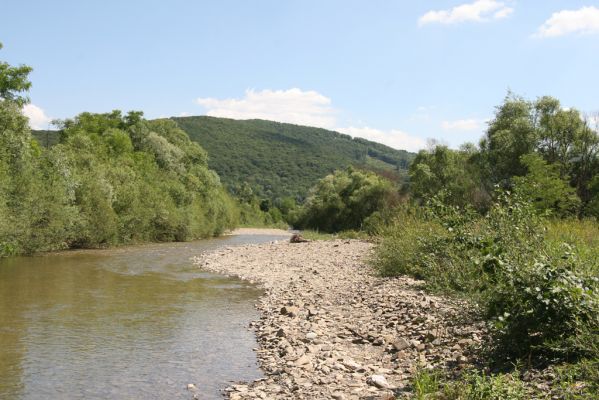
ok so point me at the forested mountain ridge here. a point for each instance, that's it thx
(281, 160)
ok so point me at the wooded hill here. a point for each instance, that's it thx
(281, 160)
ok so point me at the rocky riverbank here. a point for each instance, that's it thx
(331, 329)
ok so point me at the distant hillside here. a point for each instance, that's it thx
(283, 160)
(46, 138)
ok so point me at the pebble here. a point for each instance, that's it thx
(379, 381)
(331, 328)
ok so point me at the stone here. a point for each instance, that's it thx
(303, 360)
(322, 313)
(400, 344)
(378, 380)
(351, 365)
(289, 311)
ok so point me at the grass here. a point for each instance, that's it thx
(581, 234)
(472, 385)
(579, 381)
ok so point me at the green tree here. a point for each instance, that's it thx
(344, 200)
(14, 82)
(544, 187)
(510, 135)
(453, 172)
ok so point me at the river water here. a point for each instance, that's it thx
(138, 322)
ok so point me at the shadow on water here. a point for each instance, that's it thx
(134, 322)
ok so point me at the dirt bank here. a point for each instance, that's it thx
(331, 328)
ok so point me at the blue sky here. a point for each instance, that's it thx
(398, 72)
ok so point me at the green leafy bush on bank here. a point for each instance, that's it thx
(112, 179)
(346, 200)
(540, 296)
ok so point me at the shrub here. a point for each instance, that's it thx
(545, 308)
(539, 298)
(344, 200)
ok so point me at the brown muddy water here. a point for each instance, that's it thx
(138, 322)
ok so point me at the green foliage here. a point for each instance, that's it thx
(281, 161)
(111, 179)
(545, 307)
(453, 172)
(344, 200)
(568, 381)
(511, 135)
(577, 381)
(430, 385)
(540, 297)
(544, 187)
(425, 383)
(14, 82)
(548, 153)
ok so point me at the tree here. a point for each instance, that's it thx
(344, 200)
(13, 82)
(544, 187)
(454, 172)
(510, 135)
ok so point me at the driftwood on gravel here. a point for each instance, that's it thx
(297, 238)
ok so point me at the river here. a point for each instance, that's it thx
(137, 322)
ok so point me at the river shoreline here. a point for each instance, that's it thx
(330, 328)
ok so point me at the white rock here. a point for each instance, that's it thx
(378, 380)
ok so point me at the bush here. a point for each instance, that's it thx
(344, 200)
(112, 179)
(545, 309)
(539, 298)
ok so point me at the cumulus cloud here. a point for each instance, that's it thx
(392, 138)
(37, 116)
(462, 125)
(303, 108)
(582, 21)
(478, 11)
(293, 106)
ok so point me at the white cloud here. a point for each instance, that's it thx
(303, 108)
(393, 138)
(37, 116)
(479, 11)
(184, 114)
(582, 21)
(293, 106)
(462, 125)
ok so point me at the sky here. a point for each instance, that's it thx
(397, 72)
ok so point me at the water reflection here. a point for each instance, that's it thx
(138, 322)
